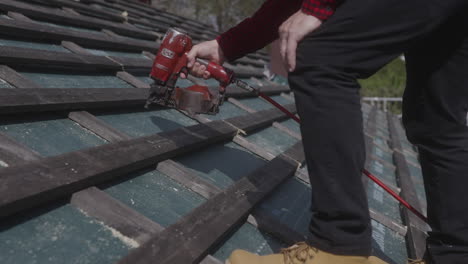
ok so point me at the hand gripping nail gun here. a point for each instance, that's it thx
(170, 61)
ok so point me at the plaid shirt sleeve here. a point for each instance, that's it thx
(321, 9)
(257, 31)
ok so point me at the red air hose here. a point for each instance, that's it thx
(366, 172)
(396, 196)
(280, 107)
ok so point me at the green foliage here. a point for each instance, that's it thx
(390, 81)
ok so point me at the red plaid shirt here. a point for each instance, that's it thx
(262, 28)
(321, 9)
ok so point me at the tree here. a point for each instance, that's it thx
(390, 81)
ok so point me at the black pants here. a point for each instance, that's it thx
(361, 37)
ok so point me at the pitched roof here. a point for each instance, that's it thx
(89, 175)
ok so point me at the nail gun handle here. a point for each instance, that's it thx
(218, 72)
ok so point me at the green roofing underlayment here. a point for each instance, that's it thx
(59, 231)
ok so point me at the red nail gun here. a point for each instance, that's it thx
(170, 61)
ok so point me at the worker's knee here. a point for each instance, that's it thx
(437, 133)
(318, 66)
(320, 79)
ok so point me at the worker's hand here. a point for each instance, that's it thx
(208, 50)
(291, 32)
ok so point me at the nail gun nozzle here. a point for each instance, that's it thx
(246, 86)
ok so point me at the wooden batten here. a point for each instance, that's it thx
(97, 126)
(16, 79)
(416, 236)
(221, 214)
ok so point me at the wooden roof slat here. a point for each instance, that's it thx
(133, 11)
(151, 14)
(259, 218)
(260, 151)
(137, 6)
(187, 178)
(265, 221)
(133, 63)
(18, 16)
(210, 260)
(369, 132)
(288, 131)
(158, 27)
(87, 39)
(75, 48)
(150, 55)
(416, 236)
(276, 125)
(16, 79)
(115, 214)
(289, 96)
(303, 175)
(86, 9)
(15, 56)
(200, 231)
(35, 183)
(59, 16)
(20, 56)
(78, 59)
(132, 80)
(392, 186)
(368, 139)
(70, 11)
(14, 153)
(40, 100)
(55, 99)
(384, 162)
(241, 105)
(388, 222)
(98, 127)
(244, 123)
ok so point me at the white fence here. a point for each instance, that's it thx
(383, 103)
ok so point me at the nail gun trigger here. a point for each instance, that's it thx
(185, 71)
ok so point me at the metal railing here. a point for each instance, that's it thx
(389, 103)
(384, 103)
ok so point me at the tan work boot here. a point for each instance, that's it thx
(300, 253)
(419, 261)
(376, 260)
